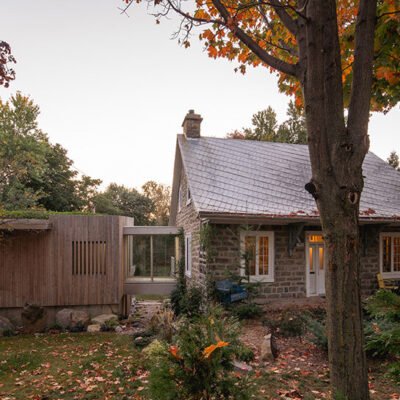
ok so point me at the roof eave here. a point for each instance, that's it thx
(271, 219)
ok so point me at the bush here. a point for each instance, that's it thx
(247, 311)
(199, 365)
(382, 331)
(162, 324)
(109, 326)
(384, 304)
(394, 371)
(288, 325)
(318, 332)
(187, 301)
(382, 338)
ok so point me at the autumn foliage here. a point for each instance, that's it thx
(259, 20)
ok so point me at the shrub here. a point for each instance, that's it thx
(191, 303)
(109, 326)
(382, 338)
(382, 331)
(247, 311)
(162, 324)
(199, 365)
(187, 301)
(384, 304)
(8, 332)
(245, 354)
(318, 332)
(288, 324)
(394, 371)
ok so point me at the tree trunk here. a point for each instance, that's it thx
(344, 315)
(336, 154)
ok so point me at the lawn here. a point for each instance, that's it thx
(108, 366)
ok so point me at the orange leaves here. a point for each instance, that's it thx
(212, 52)
(174, 351)
(202, 14)
(210, 349)
(390, 76)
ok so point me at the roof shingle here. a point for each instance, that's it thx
(265, 178)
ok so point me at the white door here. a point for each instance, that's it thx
(315, 258)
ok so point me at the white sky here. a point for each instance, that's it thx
(114, 90)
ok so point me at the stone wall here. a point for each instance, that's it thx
(290, 271)
(188, 219)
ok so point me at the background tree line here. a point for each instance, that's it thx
(36, 174)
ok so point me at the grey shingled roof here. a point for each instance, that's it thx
(264, 178)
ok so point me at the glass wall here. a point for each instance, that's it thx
(150, 257)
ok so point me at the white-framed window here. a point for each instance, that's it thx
(188, 255)
(179, 198)
(258, 258)
(188, 196)
(389, 246)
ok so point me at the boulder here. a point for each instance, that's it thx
(79, 319)
(6, 326)
(266, 348)
(93, 328)
(104, 318)
(63, 318)
(75, 320)
(33, 318)
(119, 329)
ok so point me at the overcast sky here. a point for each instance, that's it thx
(114, 90)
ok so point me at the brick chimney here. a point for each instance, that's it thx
(191, 125)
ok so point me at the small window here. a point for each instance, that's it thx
(188, 197)
(257, 248)
(390, 254)
(179, 198)
(188, 255)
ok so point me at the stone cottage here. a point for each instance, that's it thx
(251, 196)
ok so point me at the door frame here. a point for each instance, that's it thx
(306, 247)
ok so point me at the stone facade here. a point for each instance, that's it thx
(290, 270)
(188, 219)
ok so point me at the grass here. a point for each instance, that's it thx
(69, 366)
(108, 366)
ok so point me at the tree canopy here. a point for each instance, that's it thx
(394, 160)
(265, 127)
(160, 195)
(33, 171)
(120, 200)
(7, 74)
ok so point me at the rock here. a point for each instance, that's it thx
(266, 348)
(74, 320)
(119, 329)
(6, 326)
(33, 318)
(241, 366)
(63, 318)
(138, 339)
(104, 318)
(94, 328)
(79, 319)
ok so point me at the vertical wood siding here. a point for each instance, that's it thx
(38, 267)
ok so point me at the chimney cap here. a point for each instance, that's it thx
(191, 124)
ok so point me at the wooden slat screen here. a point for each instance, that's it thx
(89, 257)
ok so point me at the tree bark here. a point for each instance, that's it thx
(336, 154)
